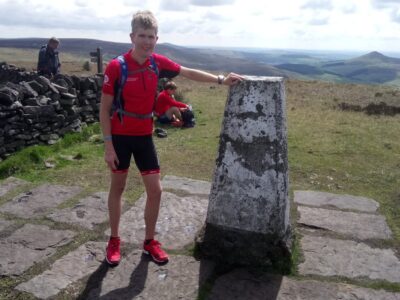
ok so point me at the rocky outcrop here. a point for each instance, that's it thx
(380, 108)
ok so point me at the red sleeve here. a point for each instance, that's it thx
(164, 102)
(167, 100)
(167, 67)
(177, 103)
(111, 75)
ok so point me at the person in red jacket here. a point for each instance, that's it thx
(167, 109)
(131, 135)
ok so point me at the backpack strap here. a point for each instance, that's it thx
(153, 66)
(118, 105)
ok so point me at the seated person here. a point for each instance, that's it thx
(167, 109)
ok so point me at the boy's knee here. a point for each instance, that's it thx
(118, 187)
(155, 193)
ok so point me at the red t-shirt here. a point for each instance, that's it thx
(165, 101)
(139, 91)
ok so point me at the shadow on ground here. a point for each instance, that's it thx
(136, 283)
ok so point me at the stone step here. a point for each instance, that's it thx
(354, 225)
(39, 201)
(191, 186)
(88, 213)
(136, 274)
(329, 200)
(182, 214)
(180, 218)
(332, 257)
(70, 268)
(137, 277)
(241, 284)
(5, 224)
(10, 184)
(28, 245)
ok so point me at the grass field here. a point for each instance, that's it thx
(329, 150)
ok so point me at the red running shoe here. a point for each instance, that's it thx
(153, 248)
(113, 256)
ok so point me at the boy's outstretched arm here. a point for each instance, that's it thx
(202, 76)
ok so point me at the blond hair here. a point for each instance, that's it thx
(144, 19)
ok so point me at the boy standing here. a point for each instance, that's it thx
(132, 134)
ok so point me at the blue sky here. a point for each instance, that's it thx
(363, 25)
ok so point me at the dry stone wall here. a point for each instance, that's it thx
(37, 110)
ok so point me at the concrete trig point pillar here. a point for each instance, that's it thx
(248, 213)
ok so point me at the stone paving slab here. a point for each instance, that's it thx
(16, 258)
(5, 224)
(68, 269)
(28, 245)
(179, 220)
(356, 225)
(240, 284)
(89, 212)
(188, 185)
(41, 236)
(39, 200)
(332, 257)
(9, 184)
(137, 277)
(323, 199)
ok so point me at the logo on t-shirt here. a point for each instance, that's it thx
(106, 79)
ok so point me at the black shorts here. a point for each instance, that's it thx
(164, 119)
(143, 150)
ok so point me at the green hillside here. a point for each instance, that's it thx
(373, 67)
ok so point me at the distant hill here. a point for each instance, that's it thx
(376, 57)
(301, 68)
(371, 68)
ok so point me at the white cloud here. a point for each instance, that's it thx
(81, 3)
(317, 24)
(212, 16)
(392, 8)
(211, 2)
(131, 3)
(385, 3)
(174, 5)
(348, 8)
(396, 15)
(318, 5)
(319, 21)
